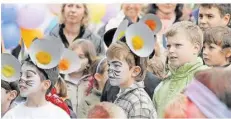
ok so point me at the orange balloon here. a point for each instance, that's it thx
(29, 35)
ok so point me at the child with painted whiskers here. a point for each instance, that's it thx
(184, 42)
(217, 47)
(34, 84)
(127, 71)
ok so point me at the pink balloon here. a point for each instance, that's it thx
(55, 8)
(31, 16)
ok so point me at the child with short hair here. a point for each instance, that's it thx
(212, 15)
(217, 47)
(184, 42)
(127, 71)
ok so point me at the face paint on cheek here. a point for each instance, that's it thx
(116, 74)
(29, 87)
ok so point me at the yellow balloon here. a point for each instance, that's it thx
(96, 12)
(29, 35)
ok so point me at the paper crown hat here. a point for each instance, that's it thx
(70, 62)
(11, 68)
(153, 22)
(45, 53)
(140, 39)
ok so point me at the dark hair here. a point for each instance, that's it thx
(218, 81)
(9, 86)
(152, 8)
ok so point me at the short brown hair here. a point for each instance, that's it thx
(193, 31)
(219, 35)
(120, 50)
(223, 8)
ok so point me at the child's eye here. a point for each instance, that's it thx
(210, 47)
(210, 16)
(200, 16)
(178, 45)
(70, 5)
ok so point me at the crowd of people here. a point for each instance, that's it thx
(150, 61)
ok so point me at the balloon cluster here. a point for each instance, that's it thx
(23, 22)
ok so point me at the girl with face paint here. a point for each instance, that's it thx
(77, 82)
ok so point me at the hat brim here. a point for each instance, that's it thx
(73, 59)
(155, 19)
(8, 59)
(53, 47)
(146, 34)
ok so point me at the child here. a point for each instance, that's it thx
(77, 81)
(126, 71)
(98, 79)
(37, 78)
(9, 77)
(217, 47)
(185, 41)
(9, 91)
(211, 15)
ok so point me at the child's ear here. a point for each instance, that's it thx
(136, 71)
(226, 19)
(13, 95)
(196, 48)
(98, 77)
(46, 84)
(228, 53)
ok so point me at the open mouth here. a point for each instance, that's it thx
(172, 58)
(22, 87)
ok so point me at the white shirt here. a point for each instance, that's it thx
(48, 111)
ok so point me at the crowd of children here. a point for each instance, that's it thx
(145, 66)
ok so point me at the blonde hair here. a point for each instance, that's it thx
(85, 19)
(121, 51)
(194, 33)
(157, 67)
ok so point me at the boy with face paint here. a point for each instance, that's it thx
(9, 92)
(35, 83)
(212, 15)
(217, 47)
(127, 71)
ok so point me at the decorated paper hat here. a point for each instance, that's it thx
(46, 53)
(140, 39)
(69, 63)
(11, 68)
(153, 22)
(120, 31)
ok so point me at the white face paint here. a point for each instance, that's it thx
(118, 72)
(30, 81)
